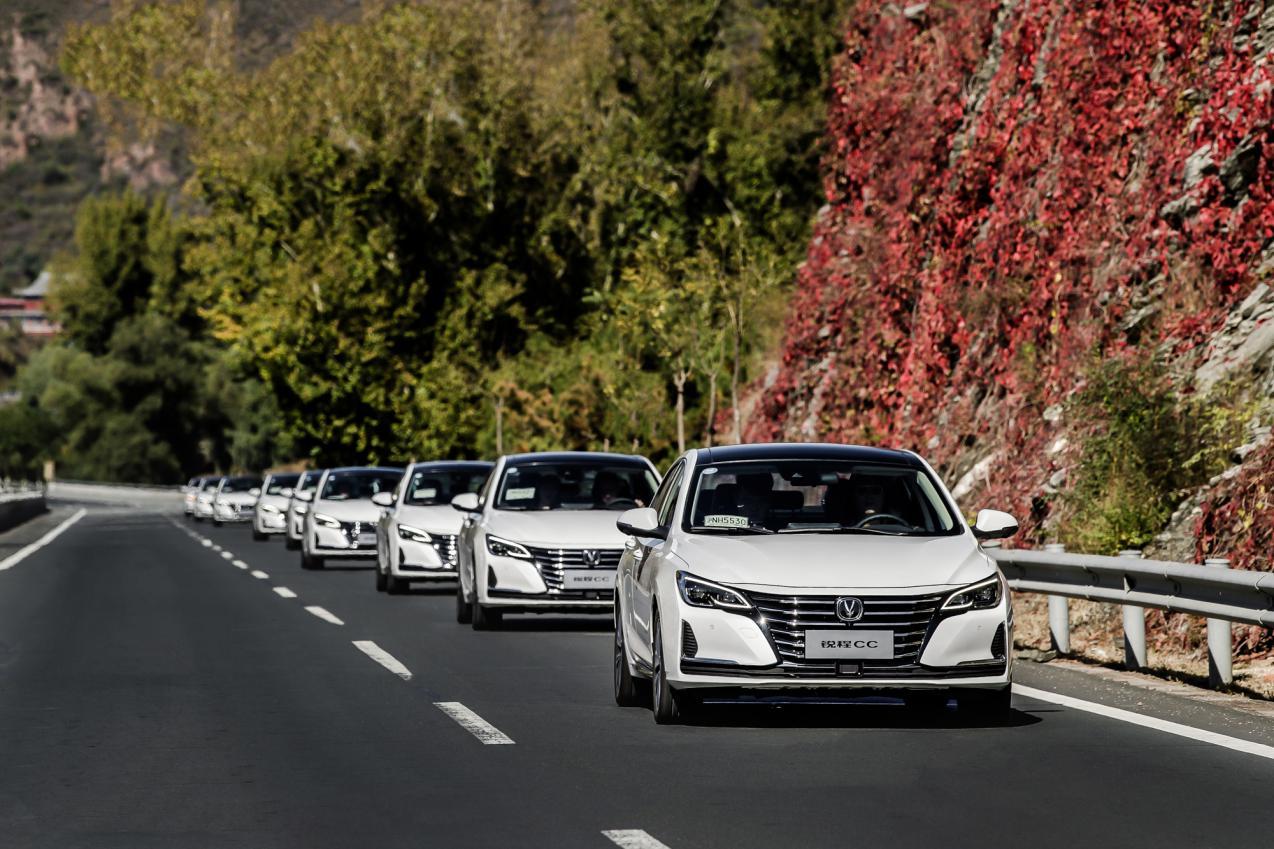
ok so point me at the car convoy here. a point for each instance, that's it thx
(776, 569)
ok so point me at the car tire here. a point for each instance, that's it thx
(291, 544)
(310, 561)
(486, 618)
(629, 691)
(395, 585)
(464, 612)
(216, 523)
(670, 707)
(987, 704)
(258, 536)
(381, 582)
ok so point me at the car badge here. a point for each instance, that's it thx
(592, 558)
(849, 609)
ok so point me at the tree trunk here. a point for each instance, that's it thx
(679, 380)
(736, 313)
(710, 428)
(499, 425)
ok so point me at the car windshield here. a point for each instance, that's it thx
(210, 484)
(240, 484)
(278, 483)
(356, 486)
(308, 481)
(579, 485)
(818, 496)
(438, 485)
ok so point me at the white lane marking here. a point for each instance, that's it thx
(285, 592)
(259, 575)
(240, 564)
(227, 555)
(207, 543)
(474, 724)
(633, 838)
(1258, 749)
(216, 547)
(384, 658)
(23, 553)
(323, 614)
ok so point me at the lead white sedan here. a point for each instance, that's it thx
(416, 535)
(809, 567)
(541, 538)
(341, 519)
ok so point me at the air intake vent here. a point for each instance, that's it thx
(689, 645)
(997, 644)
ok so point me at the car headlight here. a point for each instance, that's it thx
(301, 509)
(417, 535)
(977, 596)
(269, 508)
(221, 502)
(697, 592)
(505, 548)
(326, 521)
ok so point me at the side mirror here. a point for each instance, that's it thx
(466, 502)
(255, 492)
(641, 522)
(304, 496)
(994, 524)
(286, 492)
(383, 499)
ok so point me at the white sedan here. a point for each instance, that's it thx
(341, 519)
(294, 515)
(235, 499)
(541, 535)
(270, 514)
(204, 497)
(809, 567)
(416, 535)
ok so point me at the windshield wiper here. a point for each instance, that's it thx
(843, 530)
(748, 529)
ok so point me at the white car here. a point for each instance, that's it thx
(189, 493)
(809, 567)
(203, 498)
(235, 499)
(294, 515)
(270, 514)
(541, 535)
(341, 519)
(416, 535)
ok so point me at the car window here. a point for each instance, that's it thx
(280, 482)
(666, 499)
(308, 481)
(576, 485)
(818, 496)
(427, 487)
(358, 486)
(240, 484)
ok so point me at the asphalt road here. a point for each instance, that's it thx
(155, 694)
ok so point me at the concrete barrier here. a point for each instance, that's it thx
(18, 507)
(157, 498)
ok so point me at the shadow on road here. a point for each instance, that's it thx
(847, 714)
(590, 624)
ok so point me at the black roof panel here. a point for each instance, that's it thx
(806, 451)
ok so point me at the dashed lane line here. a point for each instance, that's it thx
(259, 575)
(1247, 746)
(633, 838)
(240, 564)
(323, 614)
(25, 552)
(486, 733)
(227, 555)
(284, 592)
(384, 658)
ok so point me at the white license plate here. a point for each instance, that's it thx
(844, 643)
(366, 539)
(588, 579)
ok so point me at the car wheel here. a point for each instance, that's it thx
(629, 691)
(394, 585)
(464, 613)
(310, 561)
(258, 536)
(380, 579)
(485, 618)
(670, 707)
(987, 704)
(292, 544)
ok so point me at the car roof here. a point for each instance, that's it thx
(571, 456)
(367, 469)
(806, 451)
(453, 464)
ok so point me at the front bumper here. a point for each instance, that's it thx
(513, 583)
(346, 541)
(270, 523)
(231, 514)
(422, 561)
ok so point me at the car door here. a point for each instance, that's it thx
(639, 586)
(467, 539)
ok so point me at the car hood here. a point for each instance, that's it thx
(240, 498)
(274, 501)
(438, 519)
(835, 562)
(362, 510)
(584, 528)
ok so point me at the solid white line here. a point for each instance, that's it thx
(324, 615)
(633, 838)
(384, 658)
(240, 564)
(259, 575)
(474, 724)
(227, 555)
(1258, 749)
(285, 592)
(23, 553)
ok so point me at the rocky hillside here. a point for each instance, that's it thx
(1040, 264)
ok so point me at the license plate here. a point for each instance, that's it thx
(588, 579)
(366, 539)
(869, 645)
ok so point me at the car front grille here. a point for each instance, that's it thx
(445, 545)
(785, 619)
(353, 529)
(553, 561)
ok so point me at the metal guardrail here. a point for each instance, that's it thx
(1215, 591)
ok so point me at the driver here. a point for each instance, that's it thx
(867, 500)
(609, 488)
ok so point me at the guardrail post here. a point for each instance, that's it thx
(1220, 640)
(1059, 613)
(1134, 628)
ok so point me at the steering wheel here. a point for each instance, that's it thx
(866, 520)
(621, 504)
